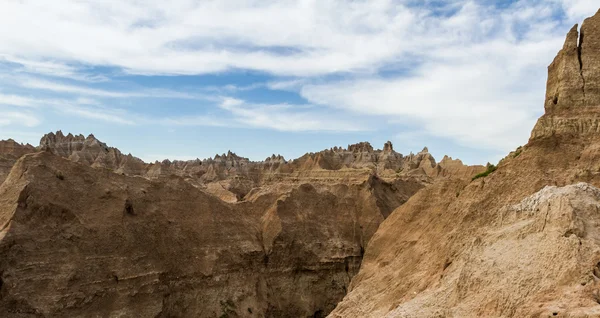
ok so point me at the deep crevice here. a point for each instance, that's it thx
(129, 208)
(579, 46)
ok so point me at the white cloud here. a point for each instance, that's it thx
(286, 117)
(287, 85)
(79, 107)
(280, 37)
(114, 116)
(52, 68)
(82, 90)
(281, 117)
(16, 100)
(466, 100)
(579, 9)
(193, 120)
(18, 119)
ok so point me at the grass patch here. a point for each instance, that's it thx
(490, 169)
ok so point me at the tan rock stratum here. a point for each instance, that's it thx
(523, 241)
(86, 231)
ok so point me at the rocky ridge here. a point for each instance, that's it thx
(10, 151)
(231, 177)
(520, 242)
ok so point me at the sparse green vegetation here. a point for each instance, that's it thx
(518, 152)
(228, 309)
(490, 169)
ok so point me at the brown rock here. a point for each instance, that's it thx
(519, 242)
(573, 89)
(77, 241)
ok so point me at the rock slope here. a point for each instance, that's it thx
(520, 242)
(10, 151)
(80, 241)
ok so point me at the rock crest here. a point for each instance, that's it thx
(572, 104)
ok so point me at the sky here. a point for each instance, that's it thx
(190, 79)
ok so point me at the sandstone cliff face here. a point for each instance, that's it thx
(10, 151)
(573, 87)
(90, 151)
(79, 241)
(521, 242)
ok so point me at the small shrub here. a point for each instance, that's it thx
(60, 175)
(490, 169)
(518, 152)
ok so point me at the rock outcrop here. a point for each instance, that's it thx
(521, 241)
(89, 231)
(10, 151)
(79, 241)
(573, 89)
(90, 151)
(232, 177)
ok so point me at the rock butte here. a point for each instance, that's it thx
(346, 232)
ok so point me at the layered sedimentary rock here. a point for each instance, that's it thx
(522, 241)
(89, 150)
(573, 87)
(232, 177)
(88, 231)
(10, 151)
(79, 241)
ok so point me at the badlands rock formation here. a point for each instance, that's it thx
(231, 177)
(80, 241)
(10, 151)
(521, 242)
(88, 231)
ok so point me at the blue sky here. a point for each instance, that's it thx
(191, 79)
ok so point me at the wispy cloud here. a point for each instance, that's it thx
(18, 118)
(16, 100)
(288, 38)
(286, 117)
(52, 68)
(82, 90)
(114, 116)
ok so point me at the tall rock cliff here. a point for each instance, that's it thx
(521, 241)
(573, 89)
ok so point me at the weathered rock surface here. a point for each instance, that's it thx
(521, 242)
(79, 241)
(10, 151)
(232, 177)
(573, 89)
